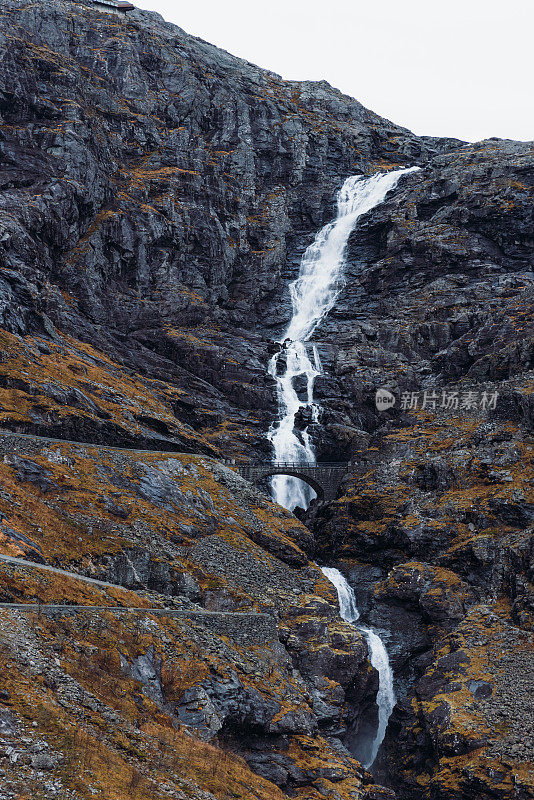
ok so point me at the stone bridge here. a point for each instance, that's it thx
(324, 477)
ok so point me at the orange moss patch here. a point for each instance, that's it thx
(94, 386)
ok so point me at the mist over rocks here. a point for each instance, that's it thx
(156, 197)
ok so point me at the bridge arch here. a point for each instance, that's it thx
(293, 473)
(324, 478)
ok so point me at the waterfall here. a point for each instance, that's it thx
(345, 595)
(385, 698)
(313, 294)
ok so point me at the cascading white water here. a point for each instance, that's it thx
(313, 294)
(345, 594)
(385, 698)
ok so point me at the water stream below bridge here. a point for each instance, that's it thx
(295, 367)
(366, 746)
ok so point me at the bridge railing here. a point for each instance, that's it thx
(300, 465)
(292, 465)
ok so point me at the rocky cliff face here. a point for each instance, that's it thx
(435, 522)
(172, 187)
(156, 196)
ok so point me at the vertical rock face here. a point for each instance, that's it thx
(435, 522)
(156, 195)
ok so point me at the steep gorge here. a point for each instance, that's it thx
(156, 198)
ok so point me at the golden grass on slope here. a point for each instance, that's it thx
(145, 751)
(25, 584)
(105, 390)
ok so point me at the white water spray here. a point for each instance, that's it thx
(345, 594)
(313, 294)
(385, 698)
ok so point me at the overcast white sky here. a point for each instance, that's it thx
(459, 68)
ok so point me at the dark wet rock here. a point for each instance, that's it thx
(475, 678)
(438, 594)
(34, 473)
(379, 793)
(303, 418)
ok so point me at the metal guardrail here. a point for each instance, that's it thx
(288, 464)
(300, 465)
